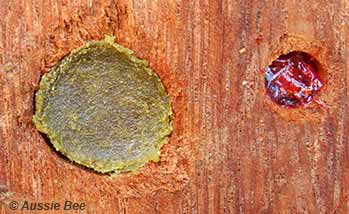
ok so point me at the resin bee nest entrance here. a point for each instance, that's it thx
(104, 108)
(293, 80)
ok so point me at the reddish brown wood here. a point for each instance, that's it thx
(232, 151)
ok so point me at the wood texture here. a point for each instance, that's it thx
(232, 150)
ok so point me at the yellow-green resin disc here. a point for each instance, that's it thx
(104, 108)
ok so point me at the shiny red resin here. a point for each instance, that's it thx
(293, 79)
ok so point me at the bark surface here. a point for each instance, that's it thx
(232, 149)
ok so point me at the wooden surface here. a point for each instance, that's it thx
(232, 151)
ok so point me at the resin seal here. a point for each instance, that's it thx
(104, 108)
(293, 79)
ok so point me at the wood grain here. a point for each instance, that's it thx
(232, 151)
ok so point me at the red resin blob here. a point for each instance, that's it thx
(293, 79)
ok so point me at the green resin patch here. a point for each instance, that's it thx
(104, 108)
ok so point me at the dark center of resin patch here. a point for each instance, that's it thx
(293, 79)
(104, 108)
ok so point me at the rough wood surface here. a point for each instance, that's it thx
(232, 150)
